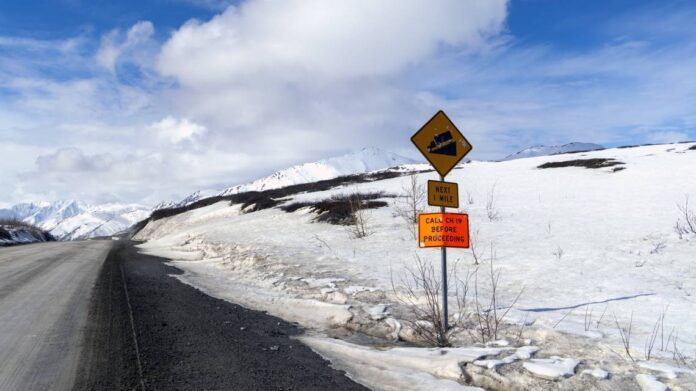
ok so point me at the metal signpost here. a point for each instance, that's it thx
(444, 146)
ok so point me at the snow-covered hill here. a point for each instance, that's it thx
(588, 238)
(541, 150)
(70, 220)
(362, 161)
(365, 160)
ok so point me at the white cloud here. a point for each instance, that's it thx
(306, 39)
(73, 160)
(115, 43)
(301, 79)
(177, 131)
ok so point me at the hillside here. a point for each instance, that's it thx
(359, 162)
(587, 238)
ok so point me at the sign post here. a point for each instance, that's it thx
(444, 146)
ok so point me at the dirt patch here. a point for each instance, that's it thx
(587, 163)
(339, 209)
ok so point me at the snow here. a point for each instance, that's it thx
(522, 353)
(620, 254)
(541, 150)
(400, 368)
(665, 370)
(552, 368)
(649, 383)
(69, 220)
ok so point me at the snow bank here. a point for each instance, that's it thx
(400, 368)
(584, 243)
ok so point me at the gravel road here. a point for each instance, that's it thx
(182, 339)
(44, 296)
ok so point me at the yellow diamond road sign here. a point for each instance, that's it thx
(441, 143)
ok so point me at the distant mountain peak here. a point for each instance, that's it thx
(542, 150)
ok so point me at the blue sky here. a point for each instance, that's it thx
(148, 100)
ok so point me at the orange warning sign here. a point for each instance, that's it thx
(443, 230)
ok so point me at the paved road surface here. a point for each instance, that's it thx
(44, 295)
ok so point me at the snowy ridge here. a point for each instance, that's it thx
(71, 220)
(365, 160)
(359, 162)
(541, 150)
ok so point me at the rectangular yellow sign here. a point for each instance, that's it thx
(443, 194)
(443, 230)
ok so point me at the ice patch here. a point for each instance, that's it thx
(551, 368)
(666, 371)
(649, 383)
(522, 353)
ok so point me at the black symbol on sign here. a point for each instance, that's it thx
(443, 144)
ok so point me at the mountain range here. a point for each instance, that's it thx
(542, 150)
(71, 220)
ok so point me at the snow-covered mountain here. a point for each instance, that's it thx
(70, 220)
(364, 160)
(541, 150)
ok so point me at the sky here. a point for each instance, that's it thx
(149, 100)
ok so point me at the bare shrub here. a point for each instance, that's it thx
(570, 311)
(487, 317)
(469, 198)
(412, 203)
(474, 247)
(421, 294)
(461, 292)
(686, 223)
(657, 247)
(588, 318)
(625, 335)
(558, 253)
(491, 209)
(657, 330)
(360, 216)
